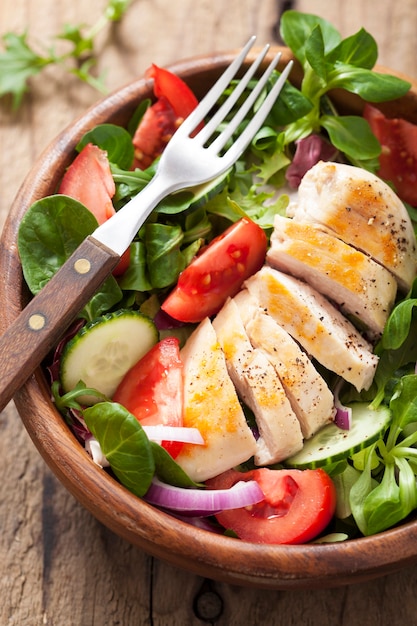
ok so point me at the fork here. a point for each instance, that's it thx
(195, 154)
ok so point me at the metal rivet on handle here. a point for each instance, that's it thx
(36, 321)
(82, 266)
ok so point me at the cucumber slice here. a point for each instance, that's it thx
(331, 444)
(103, 351)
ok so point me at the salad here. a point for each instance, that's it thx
(176, 377)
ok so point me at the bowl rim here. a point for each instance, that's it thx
(192, 549)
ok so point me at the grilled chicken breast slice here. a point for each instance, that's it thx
(359, 285)
(259, 386)
(211, 405)
(363, 211)
(316, 324)
(308, 393)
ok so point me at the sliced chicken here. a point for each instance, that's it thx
(307, 391)
(362, 210)
(211, 405)
(316, 324)
(259, 386)
(359, 285)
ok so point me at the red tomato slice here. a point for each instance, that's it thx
(174, 89)
(175, 102)
(153, 133)
(218, 272)
(398, 159)
(89, 180)
(152, 389)
(298, 505)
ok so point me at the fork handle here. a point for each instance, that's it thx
(43, 321)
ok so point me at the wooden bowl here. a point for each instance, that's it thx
(182, 545)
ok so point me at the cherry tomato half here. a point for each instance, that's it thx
(398, 159)
(152, 389)
(298, 505)
(218, 272)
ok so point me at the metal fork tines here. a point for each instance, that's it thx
(193, 157)
(212, 96)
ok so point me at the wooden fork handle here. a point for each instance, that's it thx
(44, 320)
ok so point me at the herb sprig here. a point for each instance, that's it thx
(330, 62)
(20, 61)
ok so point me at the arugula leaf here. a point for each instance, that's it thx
(163, 253)
(135, 277)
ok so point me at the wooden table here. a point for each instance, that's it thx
(58, 565)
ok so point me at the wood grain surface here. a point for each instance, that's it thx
(58, 565)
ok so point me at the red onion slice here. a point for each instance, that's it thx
(183, 434)
(200, 502)
(343, 417)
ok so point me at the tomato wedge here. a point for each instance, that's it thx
(152, 389)
(398, 159)
(89, 180)
(174, 89)
(218, 272)
(175, 101)
(298, 505)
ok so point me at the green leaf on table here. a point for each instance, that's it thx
(17, 64)
(115, 9)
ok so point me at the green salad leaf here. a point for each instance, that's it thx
(115, 140)
(378, 484)
(123, 443)
(132, 457)
(330, 62)
(50, 231)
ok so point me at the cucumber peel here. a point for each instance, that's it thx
(331, 443)
(103, 351)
